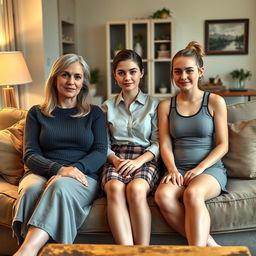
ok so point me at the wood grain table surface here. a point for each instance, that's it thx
(151, 250)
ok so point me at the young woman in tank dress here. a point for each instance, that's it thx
(65, 146)
(193, 139)
(131, 172)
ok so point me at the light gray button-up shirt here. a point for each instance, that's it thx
(136, 125)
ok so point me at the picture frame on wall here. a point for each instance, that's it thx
(226, 37)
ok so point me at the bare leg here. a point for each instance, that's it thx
(197, 218)
(140, 215)
(167, 198)
(117, 210)
(35, 239)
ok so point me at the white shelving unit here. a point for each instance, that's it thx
(156, 39)
(67, 26)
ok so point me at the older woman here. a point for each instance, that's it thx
(65, 145)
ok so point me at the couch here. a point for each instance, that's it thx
(233, 218)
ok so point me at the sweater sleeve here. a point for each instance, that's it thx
(97, 155)
(33, 155)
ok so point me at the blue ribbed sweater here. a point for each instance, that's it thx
(62, 140)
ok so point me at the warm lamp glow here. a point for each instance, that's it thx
(13, 71)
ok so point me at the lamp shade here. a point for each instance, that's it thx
(13, 69)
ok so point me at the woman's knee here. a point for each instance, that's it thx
(164, 198)
(192, 196)
(32, 185)
(137, 191)
(114, 189)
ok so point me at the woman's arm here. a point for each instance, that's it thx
(33, 155)
(218, 110)
(97, 156)
(166, 144)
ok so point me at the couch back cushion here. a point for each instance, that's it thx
(11, 150)
(240, 160)
(10, 116)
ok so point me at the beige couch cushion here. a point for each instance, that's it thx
(10, 116)
(11, 149)
(242, 111)
(240, 160)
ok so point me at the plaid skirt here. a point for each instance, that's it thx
(148, 171)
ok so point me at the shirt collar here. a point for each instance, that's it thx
(141, 98)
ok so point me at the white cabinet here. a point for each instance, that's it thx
(67, 26)
(153, 41)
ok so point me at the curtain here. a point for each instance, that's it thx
(7, 26)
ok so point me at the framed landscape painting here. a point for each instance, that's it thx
(226, 36)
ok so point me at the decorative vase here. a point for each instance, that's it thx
(92, 90)
(163, 90)
(241, 84)
(138, 49)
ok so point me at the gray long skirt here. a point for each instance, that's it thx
(60, 209)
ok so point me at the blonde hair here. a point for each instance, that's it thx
(51, 92)
(194, 50)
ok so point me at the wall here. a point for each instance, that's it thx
(39, 41)
(189, 25)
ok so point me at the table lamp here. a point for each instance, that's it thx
(13, 71)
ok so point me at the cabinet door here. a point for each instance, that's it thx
(67, 10)
(117, 39)
(161, 54)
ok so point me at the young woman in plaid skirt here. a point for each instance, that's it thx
(131, 171)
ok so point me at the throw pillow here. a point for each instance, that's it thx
(240, 160)
(11, 151)
(241, 111)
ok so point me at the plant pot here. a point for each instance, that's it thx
(163, 90)
(92, 90)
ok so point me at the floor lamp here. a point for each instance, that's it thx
(13, 71)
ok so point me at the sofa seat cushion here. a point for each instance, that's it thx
(229, 212)
(8, 196)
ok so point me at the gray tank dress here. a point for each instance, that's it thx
(193, 139)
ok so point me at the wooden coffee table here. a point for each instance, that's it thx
(151, 250)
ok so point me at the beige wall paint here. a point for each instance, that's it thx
(39, 41)
(189, 19)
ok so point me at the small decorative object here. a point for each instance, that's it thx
(215, 85)
(163, 54)
(119, 47)
(241, 76)
(95, 76)
(138, 49)
(163, 88)
(161, 14)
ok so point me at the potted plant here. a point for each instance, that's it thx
(241, 75)
(95, 76)
(161, 14)
(119, 47)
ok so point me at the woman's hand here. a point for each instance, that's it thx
(128, 166)
(72, 172)
(191, 174)
(175, 177)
